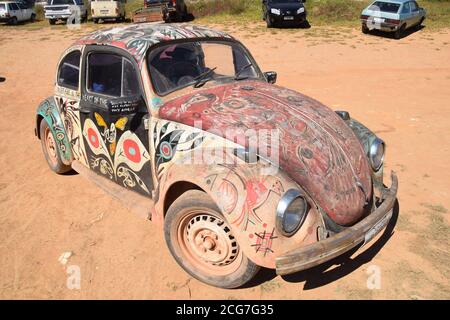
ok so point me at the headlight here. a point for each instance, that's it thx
(275, 11)
(291, 212)
(376, 154)
(301, 10)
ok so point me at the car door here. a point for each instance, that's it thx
(415, 13)
(405, 14)
(67, 96)
(26, 11)
(14, 11)
(114, 117)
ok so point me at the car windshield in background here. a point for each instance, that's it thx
(194, 63)
(385, 6)
(62, 2)
(284, 1)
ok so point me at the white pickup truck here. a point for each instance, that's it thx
(14, 12)
(71, 11)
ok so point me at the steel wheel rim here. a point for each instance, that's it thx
(207, 242)
(50, 146)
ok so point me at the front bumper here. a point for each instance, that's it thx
(58, 16)
(325, 250)
(287, 18)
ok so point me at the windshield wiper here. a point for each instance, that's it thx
(202, 78)
(236, 77)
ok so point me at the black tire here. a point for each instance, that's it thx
(420, 22)
(189, 206)
(269, 22)
(33, 17)
(14, 21)
(364, 29)
(95, 20)
(52, 21)
(56, 164)
(400, 32)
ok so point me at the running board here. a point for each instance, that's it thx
(140, 205)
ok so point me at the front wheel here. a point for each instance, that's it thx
(203, 244)
(364, 29)
(52, 21)
(50, 149)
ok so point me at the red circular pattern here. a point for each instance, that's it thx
(93, 138)
(132, 151)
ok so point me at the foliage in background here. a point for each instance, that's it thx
(320, 12)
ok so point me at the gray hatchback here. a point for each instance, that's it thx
(392, 16)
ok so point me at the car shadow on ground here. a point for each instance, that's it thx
(319, 276)
(390, 35)
(304, 25)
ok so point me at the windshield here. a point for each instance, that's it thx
(2, 7)
(385, 6)
(193, 63)
(60, 2)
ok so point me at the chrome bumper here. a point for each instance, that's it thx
(312, 255)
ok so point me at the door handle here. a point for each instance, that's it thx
(85, 111)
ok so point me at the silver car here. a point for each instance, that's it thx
(392, 16)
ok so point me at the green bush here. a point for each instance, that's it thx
(39, 10)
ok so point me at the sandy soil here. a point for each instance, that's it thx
(400, 89)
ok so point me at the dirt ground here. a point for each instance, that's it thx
(400, 89)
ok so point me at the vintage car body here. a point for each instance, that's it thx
(142, 149)
(392, 16)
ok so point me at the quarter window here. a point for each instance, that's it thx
(414, 6)
(111, 75)
(69, 70)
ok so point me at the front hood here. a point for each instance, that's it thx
(317, 149)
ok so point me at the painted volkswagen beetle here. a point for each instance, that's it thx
(165, 117)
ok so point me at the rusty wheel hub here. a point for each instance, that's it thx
(51, 146)
(208, 242)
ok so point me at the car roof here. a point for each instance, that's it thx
(137, 38)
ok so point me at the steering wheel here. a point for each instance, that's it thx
(182, 72)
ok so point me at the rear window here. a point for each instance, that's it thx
(385, 6)
(2, 7)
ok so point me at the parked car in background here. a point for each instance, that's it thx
(392, 16)
(108, 9)
(157, 114)
(14, 12)
(172, 10)
(281, 12)
(65, 10)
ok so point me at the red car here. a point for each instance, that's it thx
(180, 123)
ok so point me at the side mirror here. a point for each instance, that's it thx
(271, 76)
(128, 105)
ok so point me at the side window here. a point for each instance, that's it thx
(111, 75)
(406, 8)
(69, 70)
(22, 6)
(414, 6)
(13, 6)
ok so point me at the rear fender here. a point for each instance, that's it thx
(48, 111)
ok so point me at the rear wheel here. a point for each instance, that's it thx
(50, 149)
(203, 244)
(400, 32)
(33, 17)
(95, 20)
(52, 21)
(364, 29)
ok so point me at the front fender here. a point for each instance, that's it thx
(248, 202)
(48, 111)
